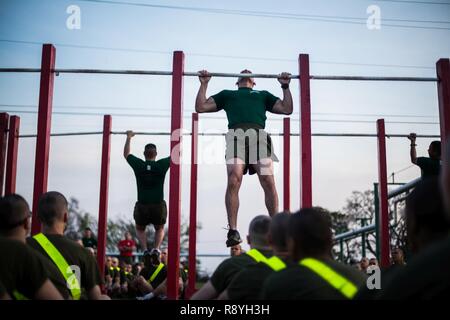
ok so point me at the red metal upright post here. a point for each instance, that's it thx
(383, 196)
(104, 189)
(11, 162)
(175, 176)
(192, 273)
(443, 74)
(43, 130)
(305, 133)
(4, 117)
(286, 164)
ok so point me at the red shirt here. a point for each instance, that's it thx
(126, 243)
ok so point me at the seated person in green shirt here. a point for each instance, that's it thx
(429, 166)
(226, 271)
(23, 272)
(316, 276)
(248, 146)
(53, 213)
(150, 175)
(247, 284)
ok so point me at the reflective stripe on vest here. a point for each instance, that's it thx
(61, 263)
(256, 255)
(340, 283)
(275, 263)
(156, 272)
(18, 296)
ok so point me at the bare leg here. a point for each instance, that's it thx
(235, 171)
(264, 169)
(159, 235)
(140, 232)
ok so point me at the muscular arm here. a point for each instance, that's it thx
(284, 106)
(202, 104)
(127, 147)
(412, 150)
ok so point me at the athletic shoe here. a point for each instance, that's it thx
(234, 238)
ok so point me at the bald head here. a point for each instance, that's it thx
(14, 211)
(52, 208)
(258, 231)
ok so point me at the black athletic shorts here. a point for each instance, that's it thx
(150, 213)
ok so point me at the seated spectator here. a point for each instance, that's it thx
(235, 250)
(53, 213)
(88, 239)
(126, 248)
(258, 240)
(397, 257)
(316, 275)
(247, 284)
(23, 273)
(364, 264)
(153, 273)
(426, 275)
(373, 262)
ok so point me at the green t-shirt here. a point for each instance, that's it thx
(229, 268)
(248, 283)
(147, 272)
(429, 167)
(245, 106)
(301, 283)
(21, 269)
(150, 177)
(75, 255)
(89, 242)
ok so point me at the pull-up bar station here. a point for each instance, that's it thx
(9, 148)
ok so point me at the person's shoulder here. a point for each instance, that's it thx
(354, 274)
(68, 244)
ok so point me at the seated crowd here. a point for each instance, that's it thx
(290, 257)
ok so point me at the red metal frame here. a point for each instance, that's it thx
(175, 176)
(104, 190)
(4, 117)
(305, 133)
(286, 164)
(11, 162)
(383, 196)
(192, 274)
(43, 130)
(443, 74)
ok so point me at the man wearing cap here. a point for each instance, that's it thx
(248, 146)
(150, 175)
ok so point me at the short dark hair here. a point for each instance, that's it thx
(310, 230)
(87, 229)
(426, 219)
(258, 230)
(14, 209)
(436, 146)
(149, 149)
(50, 207)
(278, 230)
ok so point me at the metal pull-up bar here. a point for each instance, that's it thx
(220, 74)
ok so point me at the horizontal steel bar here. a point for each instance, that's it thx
(223, 74)
(354, 233)
(370, 78)
(404, 188)
(348, 135)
